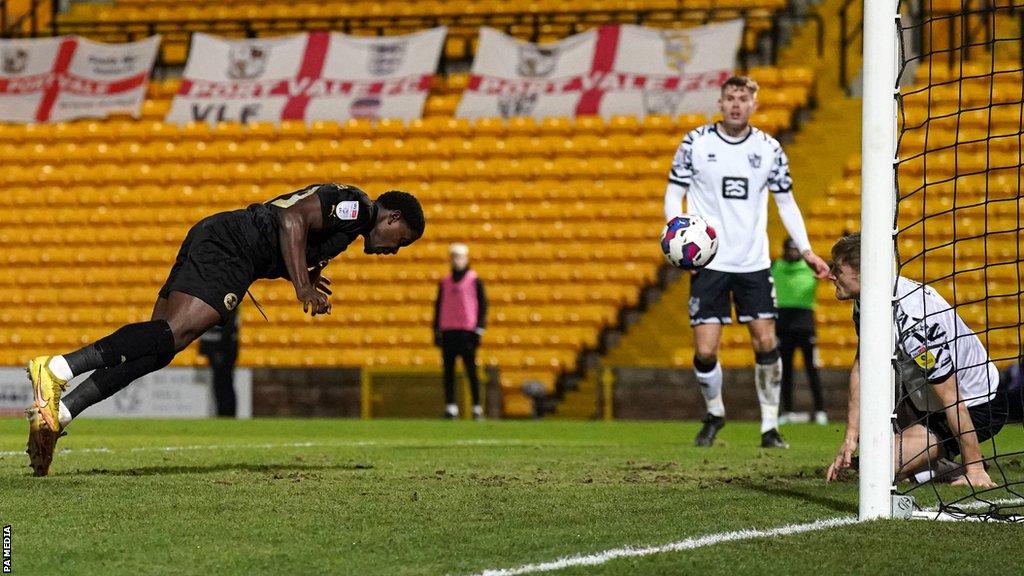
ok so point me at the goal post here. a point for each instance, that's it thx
(878, 209)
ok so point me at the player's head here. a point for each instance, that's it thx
(738, 101)
(789, 250)
(458, 254)
(400, 222)
(844, 271)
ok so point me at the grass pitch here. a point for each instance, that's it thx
(437, 497)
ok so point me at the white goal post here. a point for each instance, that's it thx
(878, 198)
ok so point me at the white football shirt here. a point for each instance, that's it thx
(935, 343)
(727, 183)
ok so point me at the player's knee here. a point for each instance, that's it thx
(765, 344)
(704, 363)
(185, 335)
(770, 357)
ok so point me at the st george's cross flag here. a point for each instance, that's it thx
(67, 77)
(307, 77)
(612, 70)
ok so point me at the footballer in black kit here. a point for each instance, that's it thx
(293, 236)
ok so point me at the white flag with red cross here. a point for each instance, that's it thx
(67, 77)
(608, 71)
(307, 77)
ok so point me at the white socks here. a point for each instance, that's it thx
(59, 366)
(711, 389)
(452, 410)
(768, 379)
(478, 411)
(64, 415)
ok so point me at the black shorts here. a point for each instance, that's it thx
(988, 420)
(214, 263)
(712, 294)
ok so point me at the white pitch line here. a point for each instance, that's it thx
(104, 450)
(981, 504)
(354, 444)
(688, 544)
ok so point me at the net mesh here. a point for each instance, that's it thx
(959, 231)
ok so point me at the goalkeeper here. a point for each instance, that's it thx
(946, 380)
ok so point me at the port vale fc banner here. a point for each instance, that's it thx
(67, 77)
(307, 77)
(611, 70)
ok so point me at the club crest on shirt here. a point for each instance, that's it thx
(230, 301)
(755, 160)
(347, 210)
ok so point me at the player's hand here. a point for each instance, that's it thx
(819, 266)
(844, 459)
(322, 284)
(313, 301)
(976, 477)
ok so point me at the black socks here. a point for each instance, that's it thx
(152, 338)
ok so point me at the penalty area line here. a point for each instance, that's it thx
(688, 544)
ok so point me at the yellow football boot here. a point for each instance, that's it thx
(43, 415)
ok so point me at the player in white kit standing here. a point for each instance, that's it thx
(725, 171)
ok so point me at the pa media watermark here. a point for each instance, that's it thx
(7, 549)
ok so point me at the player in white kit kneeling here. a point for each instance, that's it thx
(948, 396)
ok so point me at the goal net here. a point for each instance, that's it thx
(959, 108)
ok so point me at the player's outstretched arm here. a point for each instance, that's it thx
(296, 221)
(962, 427)
(844, 457)
(793, 221)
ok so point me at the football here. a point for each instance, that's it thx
(689, 242)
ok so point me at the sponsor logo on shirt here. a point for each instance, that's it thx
(734, 188)
(347, 210)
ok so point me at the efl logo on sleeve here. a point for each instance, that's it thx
(347, 210)
(734, 188)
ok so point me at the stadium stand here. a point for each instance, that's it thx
(560, 213)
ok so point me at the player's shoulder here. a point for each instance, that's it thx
(914, 296)
(699, 133)
(345, 202)
(338, 189)
(765, 138)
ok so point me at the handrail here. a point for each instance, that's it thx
(849, 38)
(12, 29)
